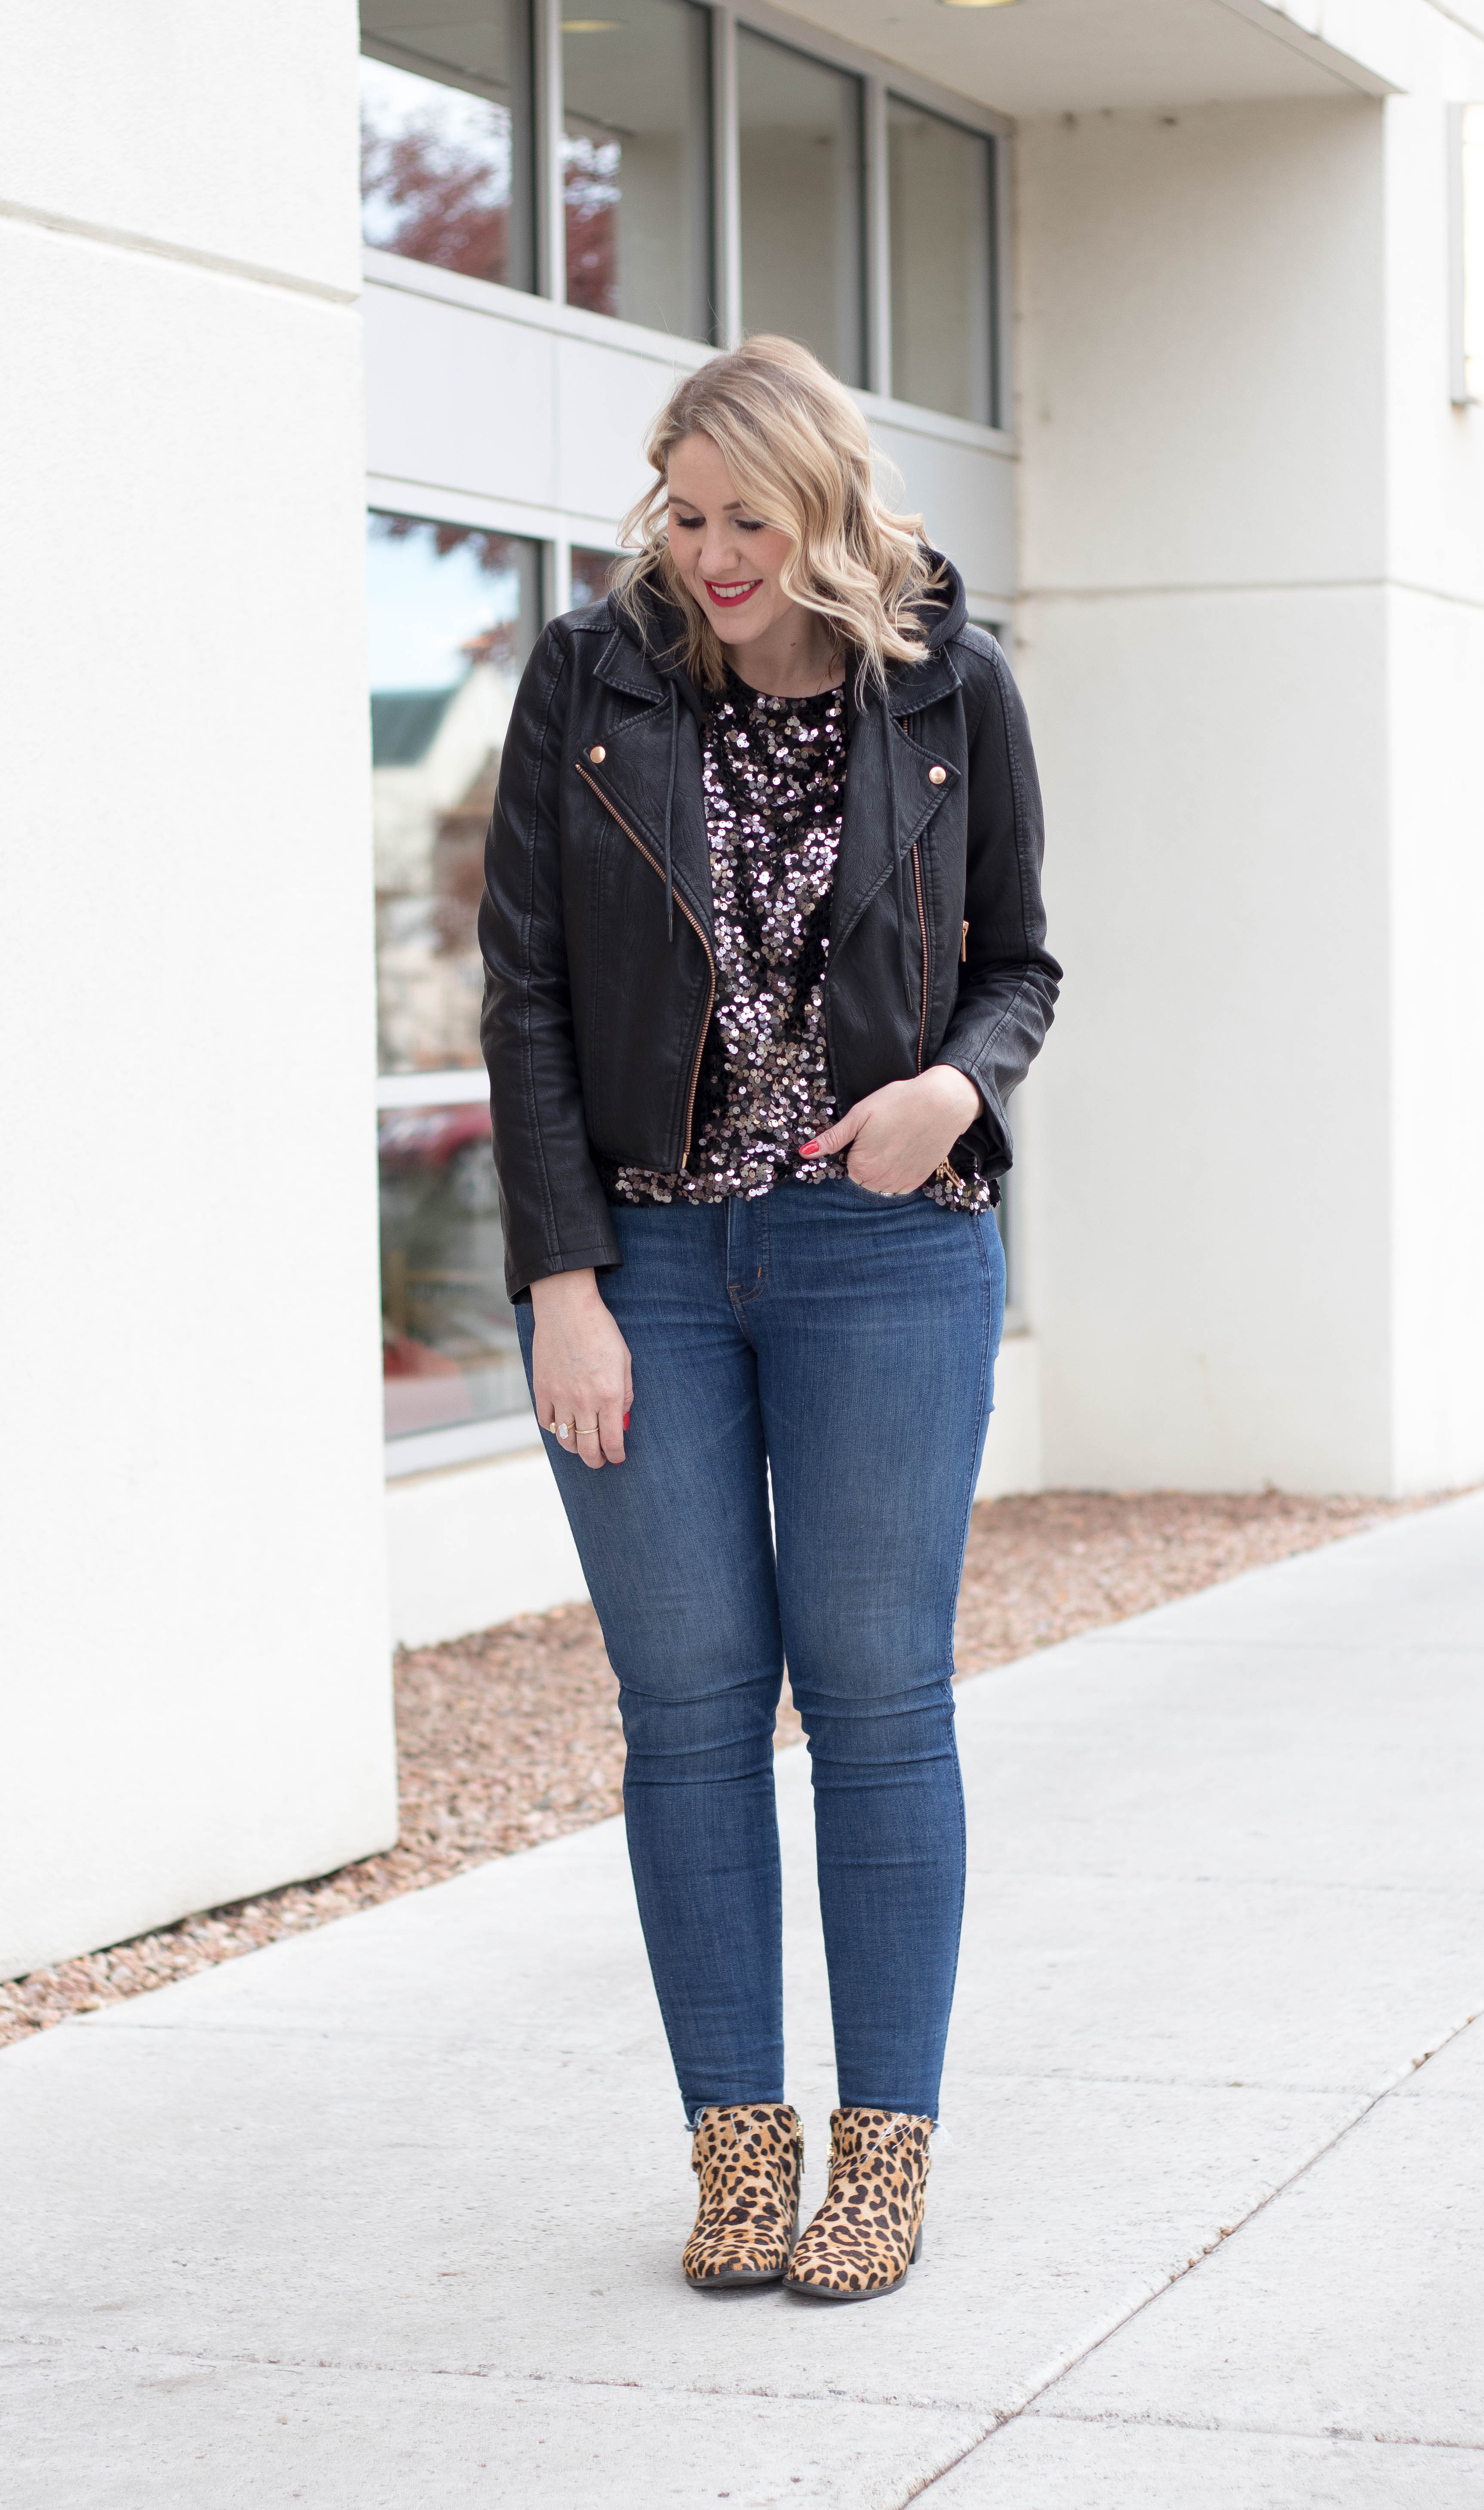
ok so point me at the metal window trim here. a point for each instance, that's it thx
(879, 82)
(429, 501)
(427, 65)
(878, 243)
(464, 1443)
(1002, 409)
(550, 197)
(462, 1085)
(838, 53)
(726, 174)
(893, 92)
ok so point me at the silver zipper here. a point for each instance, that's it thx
(690, 1105)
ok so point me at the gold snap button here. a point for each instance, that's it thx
(598, 753)
(937, 775)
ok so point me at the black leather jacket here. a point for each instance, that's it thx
(596, 920)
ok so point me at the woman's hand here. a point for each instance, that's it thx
(900, 1135)
(580, 1373)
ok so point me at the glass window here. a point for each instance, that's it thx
(453, 615)
(942, 220)
(800, 147)
(445, 134)
(592, 575)
(636, 164)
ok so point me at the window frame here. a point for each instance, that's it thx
(419, 1451)
(894, 92)
(404, 56)
(879, 80)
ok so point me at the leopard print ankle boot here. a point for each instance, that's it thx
(866, 2232)
(749, 2160)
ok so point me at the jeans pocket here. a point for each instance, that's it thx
(872, 1194)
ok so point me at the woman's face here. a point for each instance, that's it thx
(729, 561)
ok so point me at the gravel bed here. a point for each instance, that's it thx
(513, 1735)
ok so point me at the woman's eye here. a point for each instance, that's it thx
(688, 523)
(752, 527)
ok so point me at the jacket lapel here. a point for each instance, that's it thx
(635, 773)
(870, 845)
(635, 776)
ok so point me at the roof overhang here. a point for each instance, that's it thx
(1035, 56)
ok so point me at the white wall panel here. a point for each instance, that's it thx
(1013, 1450)
(472, 1547)
(1202, 401)
(962, 482)
(479, 392)
(1436, 449)
(193, 1620)
(458, 400)
(1436, 742)
(607, 400)
(1259, 1176)
(1208, 1256)
(229, 131)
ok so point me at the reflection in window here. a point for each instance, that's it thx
(445, 134)
(449, 1350)
(453, 615)
(636, 164)
(800, 149)
(942, 182)
(594, 573)
(453, 618)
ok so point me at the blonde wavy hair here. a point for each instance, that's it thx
(797, 449)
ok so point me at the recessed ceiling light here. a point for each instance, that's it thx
(612, 25)
(977, 4)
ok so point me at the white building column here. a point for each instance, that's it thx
(197, 1700)
(1245, 635)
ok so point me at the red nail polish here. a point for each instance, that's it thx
(625, 1420)
(806, 1150)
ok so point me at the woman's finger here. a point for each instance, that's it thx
(613, 1420)
(835, 1136)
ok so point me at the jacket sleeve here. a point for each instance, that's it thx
(1009, 983)
(552, 1207)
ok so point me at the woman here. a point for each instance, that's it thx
(764, 948)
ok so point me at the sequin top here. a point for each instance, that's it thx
(772, 772)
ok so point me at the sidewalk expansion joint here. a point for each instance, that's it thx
(306, 2366)
(1143, 2294)
(1255, 2431)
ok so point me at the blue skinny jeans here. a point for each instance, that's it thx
(846, 1342)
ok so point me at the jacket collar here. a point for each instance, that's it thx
(638, 664)
(644, 671)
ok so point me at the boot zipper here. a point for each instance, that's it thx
(690, 1105)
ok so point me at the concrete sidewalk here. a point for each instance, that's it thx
(393, 2214)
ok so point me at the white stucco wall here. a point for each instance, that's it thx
(1435, 731)
(1251, 1175)
(487, 405)
(196, 1700)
